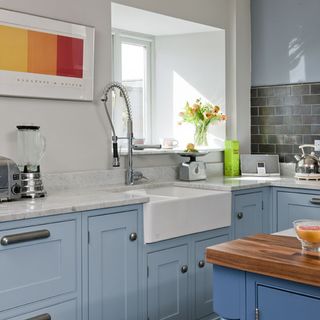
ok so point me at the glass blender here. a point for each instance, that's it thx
(31, 149)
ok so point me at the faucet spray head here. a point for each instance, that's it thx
(116, 158)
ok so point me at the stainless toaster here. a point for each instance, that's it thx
(10, 184)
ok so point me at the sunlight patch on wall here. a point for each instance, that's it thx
(183, 91)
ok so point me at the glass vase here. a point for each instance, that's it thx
(201, 135)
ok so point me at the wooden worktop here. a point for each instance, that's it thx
(270, 255)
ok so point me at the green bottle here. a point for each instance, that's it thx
(231, 158)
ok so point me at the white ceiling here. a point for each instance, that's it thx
(137, 20)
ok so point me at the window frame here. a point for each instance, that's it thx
(147, 41)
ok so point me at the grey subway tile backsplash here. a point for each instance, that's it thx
(267, 148)
(311, 99)
(265, 92)
(258, 102)
(266, 111)
(254, 93)
(315, 88)
(315, 109)
(301, 89)
(284, 117)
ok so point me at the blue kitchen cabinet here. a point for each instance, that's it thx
(251, 212)
(278, 304)
(168, 284)
(293, 204)
(113, 265)
(249, 296)
(179, 281)
(203, 277)
(40, 261)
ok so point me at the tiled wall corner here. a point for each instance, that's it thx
(284, 117)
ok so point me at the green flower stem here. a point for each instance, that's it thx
(200, 135)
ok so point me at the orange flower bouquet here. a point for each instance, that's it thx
(201, 115)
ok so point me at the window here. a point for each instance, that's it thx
(132, 67)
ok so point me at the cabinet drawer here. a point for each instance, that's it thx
(37, 263)
(62, 311)
(293, 206)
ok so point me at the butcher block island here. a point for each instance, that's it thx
(265, 277)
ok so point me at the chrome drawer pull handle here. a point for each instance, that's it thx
(315, 201)
(45, 316)
(24, 237)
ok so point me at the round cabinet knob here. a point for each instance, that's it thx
(133, 236)
(240, 215)
(184, 269)
(201, 264)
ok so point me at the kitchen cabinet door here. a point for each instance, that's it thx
(40, 263)
(113, 267)
(295, 205)
(168, 284)
(203, 277)
(278, 304)
(248, 214)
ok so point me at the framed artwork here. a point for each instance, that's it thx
(45, 58)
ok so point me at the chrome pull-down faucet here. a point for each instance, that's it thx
(131, 175)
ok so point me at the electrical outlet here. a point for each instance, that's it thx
(316, 145)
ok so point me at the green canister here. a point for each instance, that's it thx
(231, 158)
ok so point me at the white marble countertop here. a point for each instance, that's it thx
(287, 233)
(241, 183)
(59, 202)
(66, 202)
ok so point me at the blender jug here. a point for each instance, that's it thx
(31, 148)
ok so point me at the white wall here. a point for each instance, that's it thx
(78, 134)
(188, 67)
(234, 17)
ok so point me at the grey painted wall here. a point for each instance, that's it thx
(285, 41)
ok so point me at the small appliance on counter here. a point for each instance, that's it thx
(193, 169)
(31, 148)
(308, 165)
(10, 185)
(259, 165)
(231, 158)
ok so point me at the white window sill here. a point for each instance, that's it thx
(124, 152)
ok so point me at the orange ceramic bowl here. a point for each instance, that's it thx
(308, 232)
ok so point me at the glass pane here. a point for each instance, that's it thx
(133, 61)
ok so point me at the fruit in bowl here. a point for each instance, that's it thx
(308, 232)
(190, 148)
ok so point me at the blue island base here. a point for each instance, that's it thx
(240, 295)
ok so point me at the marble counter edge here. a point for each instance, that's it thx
(23, 213)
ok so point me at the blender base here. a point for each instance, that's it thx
(32, 185)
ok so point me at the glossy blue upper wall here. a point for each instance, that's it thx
(285, 41)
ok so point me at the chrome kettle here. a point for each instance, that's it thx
(307, 163)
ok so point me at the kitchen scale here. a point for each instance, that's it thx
(193, 169)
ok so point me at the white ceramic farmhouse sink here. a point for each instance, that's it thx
(177, 211)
